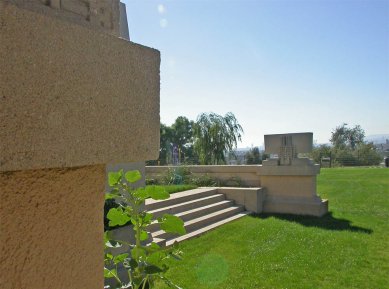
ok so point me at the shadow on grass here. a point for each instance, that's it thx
(327, 222)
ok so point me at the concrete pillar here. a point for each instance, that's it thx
(73, 98)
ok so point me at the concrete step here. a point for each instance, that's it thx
(185, 206)
(206, 228)
(178, 198)
(205, 210)
(158, 241)
(196, 212)
(198, 223)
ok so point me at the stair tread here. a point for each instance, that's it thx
(194, 212)
(207, 228)
(204, 207)
(202, 218)
(215, 196)
(182, 194)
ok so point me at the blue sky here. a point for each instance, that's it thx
(279, 66)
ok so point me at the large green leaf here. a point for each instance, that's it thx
(152, 269)
(109, 196)
(154, 246)
(120, 258)
(157, 193)
(117, 217)
(143, 235)
(138, 252)
(114, 177)
(155, 258)
(172, 224)
(141, 193)
(110, 273)
(147, 218)
(133, 176)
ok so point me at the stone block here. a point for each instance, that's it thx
(51, 228)
(296, 206)
(72, 96)
(100, 15)
(81, 8)
(251, 198)
(303, 142)
(290, 186)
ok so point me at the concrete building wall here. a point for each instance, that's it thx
(101, 15)
(72, 99)
(51, 228)
(72, 96)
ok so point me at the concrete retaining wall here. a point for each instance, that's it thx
(247, 175)
(283, 189)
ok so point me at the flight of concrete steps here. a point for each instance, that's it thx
(201, 210)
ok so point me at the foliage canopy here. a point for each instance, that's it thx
(215, 135)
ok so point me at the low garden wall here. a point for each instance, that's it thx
(282, 189)
(247, 176)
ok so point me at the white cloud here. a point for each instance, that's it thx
(161, 9)
(163, 23)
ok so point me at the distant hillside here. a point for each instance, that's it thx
(246, 149)
(377, 138)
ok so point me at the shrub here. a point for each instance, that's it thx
(144, 264)
(204, 181)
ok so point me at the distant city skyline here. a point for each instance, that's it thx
(279, 66)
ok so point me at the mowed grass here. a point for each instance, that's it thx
(348, 248)
(171, 189)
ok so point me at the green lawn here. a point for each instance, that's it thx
(348, 248)
(171, 189)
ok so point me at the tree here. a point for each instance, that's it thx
(367, 154)
(320, 151)
(350, 149)
(182, 137)
(253, 156)
(215, 135)
(343, 137)
(165, 143)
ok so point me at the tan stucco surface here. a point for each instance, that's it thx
(102, 15)
(290, 186)
(51, 228)
(73, 96)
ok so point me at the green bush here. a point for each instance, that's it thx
(204, 181)
(144, 264)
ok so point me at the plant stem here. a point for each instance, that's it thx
(144, 282)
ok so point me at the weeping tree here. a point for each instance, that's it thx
(214, 136)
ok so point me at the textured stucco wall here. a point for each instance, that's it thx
(290, 186)
(73, 96)
(51, 228)
(72, 99)
(102, 15)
